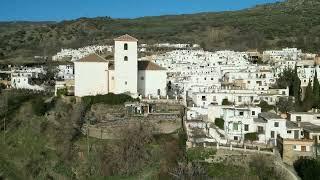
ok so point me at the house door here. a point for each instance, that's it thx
(272, 134)
(296, 134)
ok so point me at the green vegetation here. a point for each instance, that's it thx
(225, 171)
(307, 169)
(226, 102)
(289, 78)
(62, 92)
(111, 99)
(219, 122)
(44, 141)
(316, 91)
(266, 26)
(251, 136)
(307, 102)
(199, 154)
(265, 107)
(285, 105)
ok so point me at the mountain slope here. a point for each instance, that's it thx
(294, 23)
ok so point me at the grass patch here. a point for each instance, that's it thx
(199, 153)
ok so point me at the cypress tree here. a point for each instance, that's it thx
(316, 91)
(296, 88)
(308, 98)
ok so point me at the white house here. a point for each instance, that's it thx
(91, 76)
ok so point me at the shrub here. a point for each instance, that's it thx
(199, 153)
(265, 107)
(226, 102)
(63, 91)
(219, 122)
(39, 106)
(112, 99)
(251, 136)
(307, 168)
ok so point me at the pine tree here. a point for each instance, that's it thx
(308, 98)
(316, 91)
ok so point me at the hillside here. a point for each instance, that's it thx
(294, 23)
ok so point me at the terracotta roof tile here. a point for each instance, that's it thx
(148, 65)
(92, 58)
(126, 37)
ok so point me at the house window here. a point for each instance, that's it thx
(235, 126)
(303, 148)
(214, 98)
(203, 98)
(288, 132)
(236, 138)
(125, 47)
(126, 58)
(253, 113)
(239, 99)
(246, 127)
(241, 113)
(260, 129)
(112, 78)
(125, 82)
(298, 118)
(276, 124)
(294, 147)
(142, 78)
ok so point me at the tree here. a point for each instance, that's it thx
(219, 122)
(251, 136)
(130, 154)
(286, 79)
(226, 102)
(265, 168)
(285, 105)
(316, 91)
(296, 88)
(307, 169)
(265, 107)
(308, 98)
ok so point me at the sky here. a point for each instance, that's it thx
(57, 10)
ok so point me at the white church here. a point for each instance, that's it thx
(95, 75)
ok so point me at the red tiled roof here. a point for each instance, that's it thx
(92, 58)
(148, 65)
(126, 37)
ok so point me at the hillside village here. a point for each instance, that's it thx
(224, 100)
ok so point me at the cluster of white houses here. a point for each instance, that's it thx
(213, 85)
(76, 54)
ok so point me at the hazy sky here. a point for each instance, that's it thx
(57, 10)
